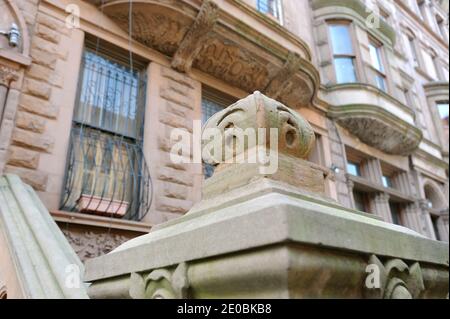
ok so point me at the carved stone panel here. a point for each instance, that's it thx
(89, 243)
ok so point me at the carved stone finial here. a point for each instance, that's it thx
(259, 115)
(196, 37)
(259, 138)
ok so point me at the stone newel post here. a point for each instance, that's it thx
(265, 229)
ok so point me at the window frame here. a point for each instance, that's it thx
(279, 6)
(354, 56)
(131, 144)
(379, 47)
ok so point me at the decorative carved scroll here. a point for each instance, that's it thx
(397, 280)
(7, 75)
(196, 37)
(161, 284)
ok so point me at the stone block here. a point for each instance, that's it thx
(22, 157)
(37, 88)
(171, 175)
(177, 98)
(173, 205)
(44, 58)
(30, 122)
(177, 77)
(33, 140)
(38, 106)
(48, 34)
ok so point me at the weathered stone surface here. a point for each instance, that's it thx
(44, 73)
(196, 37)
(269, 235)
(30, 122)
(37, 88)
(44, 58)
(33, 140)
(171, 175)
(47, 33)
(23, 157)
(173, 205)
(38, 106)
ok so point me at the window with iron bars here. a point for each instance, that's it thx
(271, 8)
(106, 170)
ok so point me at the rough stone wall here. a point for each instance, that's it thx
(30, 137)
(175, 103)
(338, 159)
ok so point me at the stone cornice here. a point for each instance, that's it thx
(437, 89)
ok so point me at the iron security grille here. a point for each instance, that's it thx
(106, 169)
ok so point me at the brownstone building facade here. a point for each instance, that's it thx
(91, 91)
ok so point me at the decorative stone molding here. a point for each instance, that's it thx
(165, 283)
(212, 40)
(397, 280)
(90, 245)
(7, 75)
(196, 37)
(281, 80)
(378, 128)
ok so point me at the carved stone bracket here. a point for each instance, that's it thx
(161, 284)
(283, 77)
(196, 38)
(397, 280)
(7, 75)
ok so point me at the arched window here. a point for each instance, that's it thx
(436, 205)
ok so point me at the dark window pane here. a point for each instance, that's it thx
(435, 221)
(396, 214)
(341, 40)
(345, 70)
(360, 201)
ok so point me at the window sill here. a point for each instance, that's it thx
(98, 221)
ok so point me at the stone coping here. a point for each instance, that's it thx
(269, 219)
